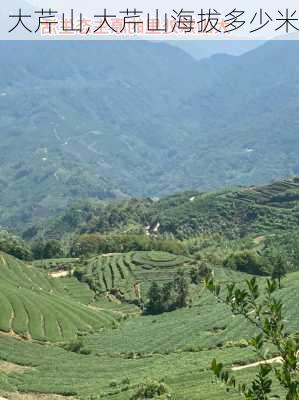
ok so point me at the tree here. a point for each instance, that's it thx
(42, 249)
(87, 245)
(264, 311)
(155, 304)
(198, 273)
(170, 296)
(14, 246)
(249, 262)
(181, 286)
(279, 269)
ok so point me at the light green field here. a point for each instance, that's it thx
(177, 347)
(38, 307)
(58, 371)
(121, 271)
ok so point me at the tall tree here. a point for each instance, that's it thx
(279, 269)
(154, 305)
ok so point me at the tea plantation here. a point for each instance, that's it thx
(113, 359)
(121, 271)
(38, 307)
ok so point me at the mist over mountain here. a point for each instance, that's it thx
(109, 119)
(201, 49)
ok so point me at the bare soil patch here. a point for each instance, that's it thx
(59, 274)
(8, 367)
(31, 396)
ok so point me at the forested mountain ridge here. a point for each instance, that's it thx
(232, 213)
(84, 115)
(103, 120)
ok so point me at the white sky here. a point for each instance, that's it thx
(91, 7)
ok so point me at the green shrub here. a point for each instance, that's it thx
(150, 390)
(249, 262)
(125, 381)
(76, 346)
(14, 246)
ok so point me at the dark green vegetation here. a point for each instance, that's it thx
(230, 213)
(249, 262)
(15, 246)
(152, 131)
(170, 296)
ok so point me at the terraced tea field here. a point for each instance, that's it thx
(38, 307)
(177, 347)
(121, 271)
(282, 194)
(89, 377)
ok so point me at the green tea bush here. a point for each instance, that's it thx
(149, 390)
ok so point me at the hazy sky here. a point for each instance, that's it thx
(91, 7)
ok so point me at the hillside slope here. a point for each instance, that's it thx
(120, 273)
(175, 347)
(75, 129)
(35, 306)
(100, 118)
(232, 213)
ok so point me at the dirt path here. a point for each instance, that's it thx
(8, 367)
(275, 360)
(61, 274)
(29, 396)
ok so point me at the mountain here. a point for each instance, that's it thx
(201, 49)
(123, 118)
(80, 123)
(244, 122)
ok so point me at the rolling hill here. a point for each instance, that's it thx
(231, 213)
(119, 273)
